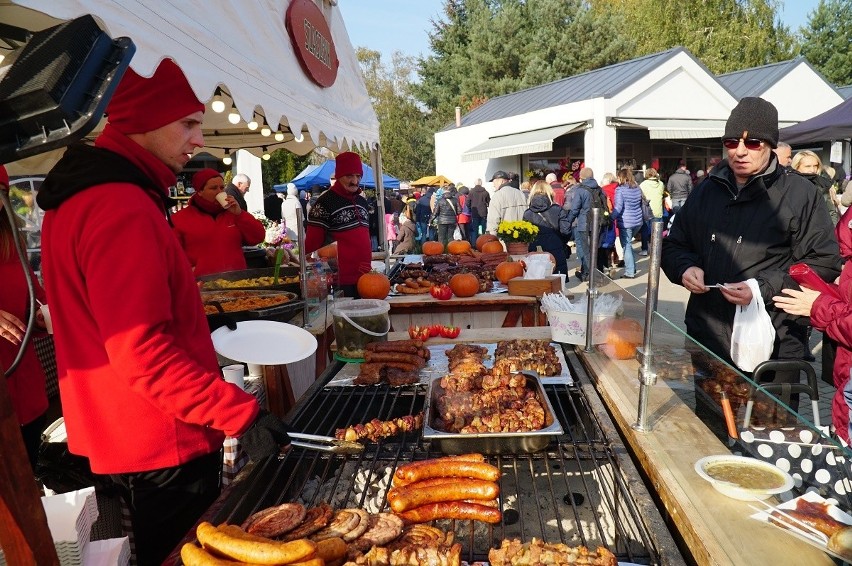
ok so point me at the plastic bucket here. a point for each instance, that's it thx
(570, 327)
(357, 323)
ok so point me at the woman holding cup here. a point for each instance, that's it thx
(213, 229)
(27, 383)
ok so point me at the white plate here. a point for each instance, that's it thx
(833, 511)
(265, 342)
(741, 493)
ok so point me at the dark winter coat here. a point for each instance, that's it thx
(777, 219)
(479, 201)
(581, 203)
(553, 229)
(423, 211)
(679, 184)
(447, 209)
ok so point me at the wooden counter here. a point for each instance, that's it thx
(483, 310)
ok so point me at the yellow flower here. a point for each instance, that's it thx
(515, 234)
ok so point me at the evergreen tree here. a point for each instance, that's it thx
(826, 40)
(281, 167)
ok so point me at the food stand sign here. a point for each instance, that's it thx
(312, 41)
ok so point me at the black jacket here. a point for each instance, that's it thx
(679, 184)
(447, 209)
(479, 201)
(777, 219)
(553, 229)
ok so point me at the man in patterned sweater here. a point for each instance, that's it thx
(340, 215)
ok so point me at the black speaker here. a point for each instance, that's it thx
(57, 87)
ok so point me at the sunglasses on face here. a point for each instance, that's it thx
(750, 143)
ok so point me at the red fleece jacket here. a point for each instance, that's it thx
(214, 241)
(140, 384)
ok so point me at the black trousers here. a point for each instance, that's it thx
(31, 432)
(165, 504)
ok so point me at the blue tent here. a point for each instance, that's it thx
(321, 175)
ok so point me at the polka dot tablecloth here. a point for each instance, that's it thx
(802, 453)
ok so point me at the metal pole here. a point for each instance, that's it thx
(647, 376)
(591, 292)
(380, 182)
(303, 264)
(376, 161)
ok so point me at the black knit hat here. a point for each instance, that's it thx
(753, 118)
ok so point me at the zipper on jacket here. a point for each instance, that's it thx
(734, 253)
(712, 250)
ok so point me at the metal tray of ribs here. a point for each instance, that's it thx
(450, 420)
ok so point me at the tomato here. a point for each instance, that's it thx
(450, 331)
(441, 292)
(435, 330)
(419, 332)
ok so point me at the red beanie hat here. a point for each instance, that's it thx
(200, 179)
(4, 177)
(141, 105)
(347, 163)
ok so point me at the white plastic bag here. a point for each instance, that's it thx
(753, 336)
(457, 233)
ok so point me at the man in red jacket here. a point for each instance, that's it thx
(141, 390)
(340, 215)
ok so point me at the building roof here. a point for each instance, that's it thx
(604, 82)
(845, 91)
(757, 80)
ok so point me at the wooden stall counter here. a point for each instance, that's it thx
(483, 310)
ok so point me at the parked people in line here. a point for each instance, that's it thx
(27, 384)
(464, 211)
(751, 219)
(652, 189)
(507, 202)
(581, 204)
(406, 235)
(390, 224)
(627, 212)
(679, 186)
(809, 165)
(700, 175)
(289, 212)
(784, 153)
(237, 188)
(212, 236)
(446, 213)
(340, 214)
(552, 222)
(480, 199)
(558, 189)
(142, 394)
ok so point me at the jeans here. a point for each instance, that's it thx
(476, 228)
(646, 235)
(422, 231)
(626, 237)
(581, 240)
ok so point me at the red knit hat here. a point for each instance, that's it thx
(4, 178)
(200, 179)
(347, 163)
(141, 105)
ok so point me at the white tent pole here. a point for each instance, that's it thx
(376, 163)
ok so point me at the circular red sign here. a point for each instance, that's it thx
(312, 41)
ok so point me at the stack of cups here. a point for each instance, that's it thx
(234, 374)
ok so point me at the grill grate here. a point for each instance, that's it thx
(573, 492)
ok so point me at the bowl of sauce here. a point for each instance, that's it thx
(743, 478)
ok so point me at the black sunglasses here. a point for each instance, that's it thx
(750, 143)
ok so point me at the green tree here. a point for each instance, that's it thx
(405, 131)
(826, 39)
(281, 167)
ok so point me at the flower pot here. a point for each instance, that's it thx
(517, 248)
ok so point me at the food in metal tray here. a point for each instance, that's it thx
(515, 553)
(266, 281)
(534, 355)
(237, 301)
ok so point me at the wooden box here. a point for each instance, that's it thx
(535, 287)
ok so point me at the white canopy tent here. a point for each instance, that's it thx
(255, 64)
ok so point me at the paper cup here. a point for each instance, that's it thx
(562, 278)
(234, 374)
(223, 199)
(255, 370)
(45, 312)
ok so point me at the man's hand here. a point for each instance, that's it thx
(796, 302)
(11, 327)
(737, 293)
(266, 437)
(693, 280)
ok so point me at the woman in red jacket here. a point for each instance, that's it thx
(213, 234)
(27, 383)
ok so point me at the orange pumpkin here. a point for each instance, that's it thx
(433, 248)
(458, 247)
(484, 239)
(492, 247)
(464, 284)
(328, 251)
(622, 339)
(507, 270)
(373, 285)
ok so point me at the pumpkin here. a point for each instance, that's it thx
(492, 247)
(433, 248)
(484, 239)
(458, 247)
(507, 270)
(328, 251)
(373, 285)
(622, 339)
(464, 284)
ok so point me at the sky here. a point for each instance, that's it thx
(390, 25)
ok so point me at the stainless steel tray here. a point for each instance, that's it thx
(491, 442)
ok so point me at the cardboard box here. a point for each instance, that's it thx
(535, 287)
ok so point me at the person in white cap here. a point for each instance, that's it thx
(288, 212)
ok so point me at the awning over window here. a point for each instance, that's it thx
(532, 141)
(660, 129)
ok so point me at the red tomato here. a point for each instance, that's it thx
(441, 292)
(435, 330)
(419, 332)
(450, 331)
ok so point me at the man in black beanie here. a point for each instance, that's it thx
(751, 220)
